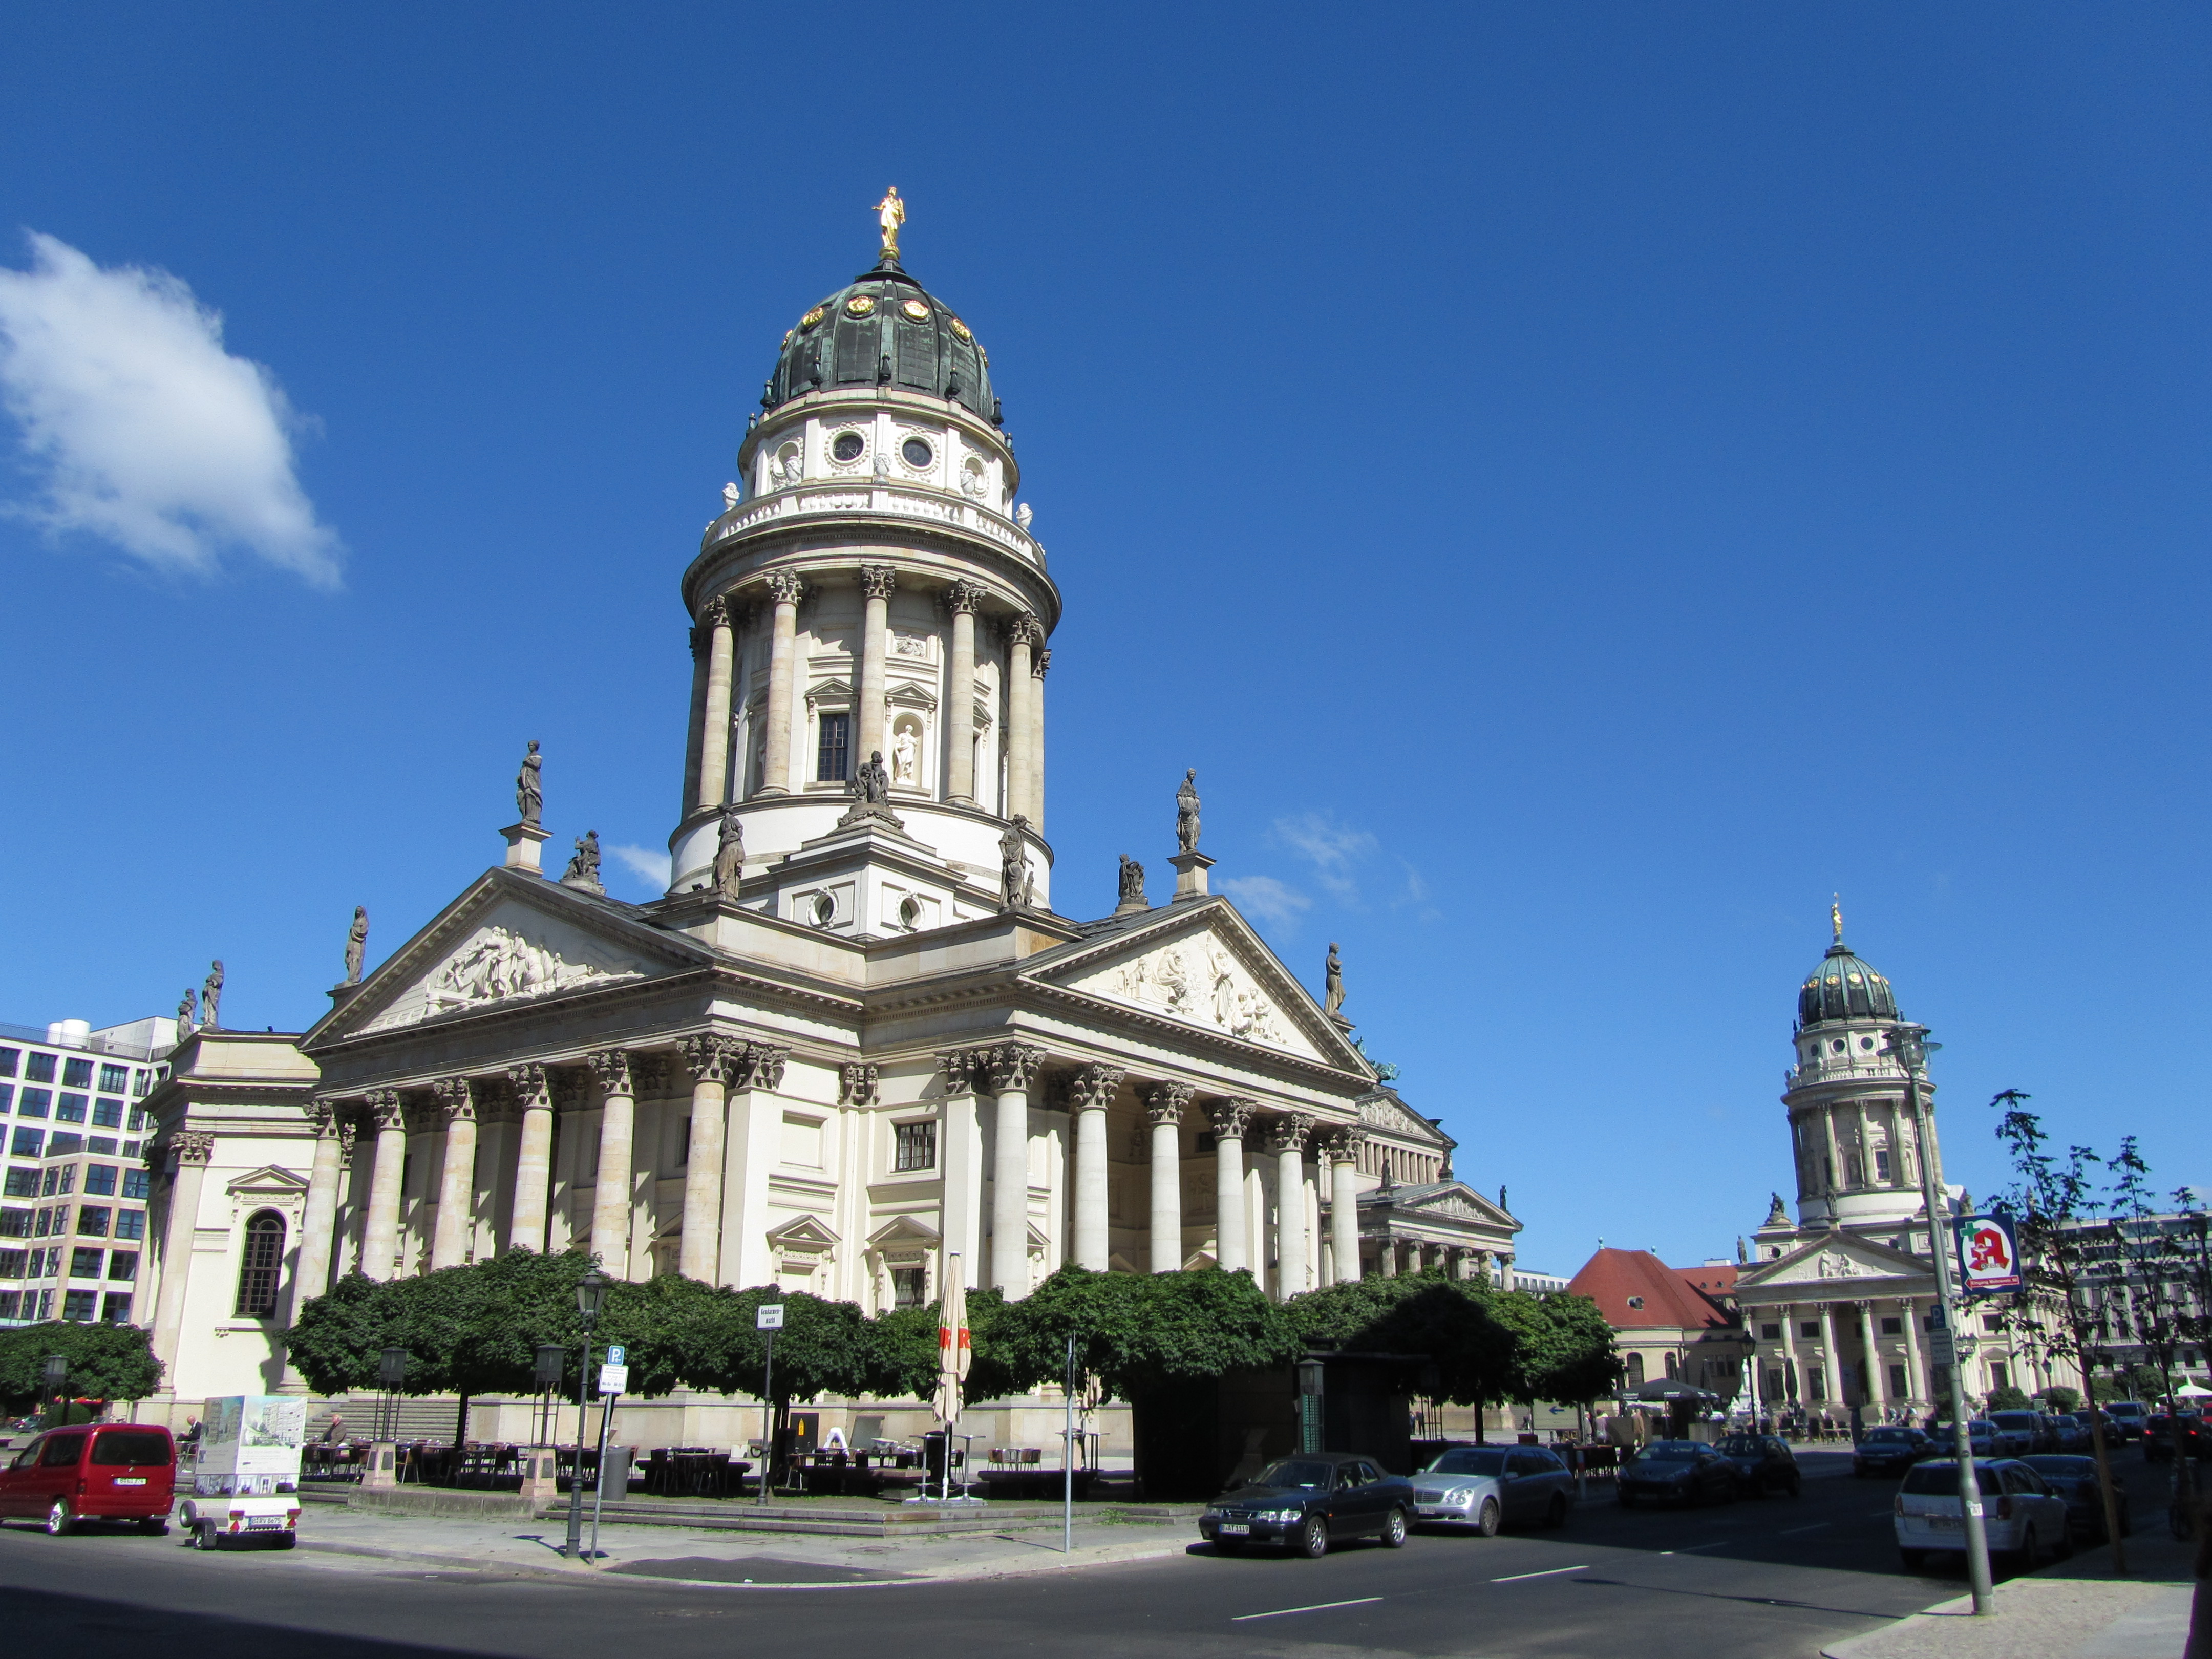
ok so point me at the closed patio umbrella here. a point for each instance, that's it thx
(954, 1354)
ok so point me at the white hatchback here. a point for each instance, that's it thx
(2026, 1521)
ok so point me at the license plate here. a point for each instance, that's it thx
(1945, 1523)
(264, 1522)
(1234, 1529)
(130, 1480)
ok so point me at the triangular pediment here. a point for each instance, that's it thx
(509, 939)
(1459, 1203)
(268, 1182)
(806, 1233)
(1385, 1112)
(902, 1230)
(1203, 966)
(1834, 1260)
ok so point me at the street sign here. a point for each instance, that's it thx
(1940, 1349)
(617, 1354)
(614, 1379)
(769, 1317)
(1989, 1256)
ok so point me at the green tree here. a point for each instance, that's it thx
(2007, 1398)
(1475, 1338)
(902, 1358)
(1136, 1333)
(825, 1347)
(2063, 1400)
(106, 1362)
(1568, 1358)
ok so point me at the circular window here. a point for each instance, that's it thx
(916, 309)
(917, 452)
(859, 306)
(848, 447)
(825, 909)
(961, 329)
(813, 317)
(909, 909)
(1866, 1043)
(1838, 1045)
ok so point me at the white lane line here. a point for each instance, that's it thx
(1793, 1531)
(1694, 1548)
(1356, 1601)
(1514, 1578)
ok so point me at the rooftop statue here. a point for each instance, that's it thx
(890, 214)
(184, 1010)
(1187, 813)
(730, 855)
(357, 944)
(1332, 981)
(583, 865)
(530, 787)
(211, 997)
(1133, 883)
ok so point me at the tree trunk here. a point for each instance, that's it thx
(461, 1424)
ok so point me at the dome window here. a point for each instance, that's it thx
(1838, 1045)
(813, 317)
(1866, 1043)
(859, 305)
(848, 447)
(916, 309)
(917, 454)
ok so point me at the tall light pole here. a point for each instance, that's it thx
(1909, 1047)
(591, 1292)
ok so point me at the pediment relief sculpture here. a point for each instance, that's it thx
(1198, 979)
(504, 959)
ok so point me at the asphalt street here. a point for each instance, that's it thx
(1760, 1578)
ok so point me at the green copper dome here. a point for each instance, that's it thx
(1845, 988)
(883, 330)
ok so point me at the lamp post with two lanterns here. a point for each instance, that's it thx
(591, 1294)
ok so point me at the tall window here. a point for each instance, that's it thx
(917, 1148)
(907, 1287)
(257, 1273)
(1636, 1370)
(833, 752)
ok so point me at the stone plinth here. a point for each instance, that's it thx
(382, 1471)
(1190, 870)
(538, 1484)
(523, 841)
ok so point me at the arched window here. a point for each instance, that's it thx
(1671, 1371)
(261, 1265)
(1636, 1370)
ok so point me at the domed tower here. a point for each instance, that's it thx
(1857, 1162)
(872, 591)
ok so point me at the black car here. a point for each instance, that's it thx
(1763, 1463)
(2158, 1436)
(1302, 1503)
(2074, 1479)
(1679, 1471)
(1890, 1451)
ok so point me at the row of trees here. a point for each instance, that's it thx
(475, 1330)
(106, 1362)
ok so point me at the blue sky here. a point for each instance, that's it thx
(1582, 484)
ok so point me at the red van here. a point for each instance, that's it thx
(97, 1471)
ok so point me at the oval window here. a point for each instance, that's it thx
(848, 447)
(825, 909)
(916, 309)
(859, 306)
(918, 453)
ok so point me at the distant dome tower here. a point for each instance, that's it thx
(1857, 1162)
(871, 590)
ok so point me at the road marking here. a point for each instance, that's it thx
(1514, 1578)
(1793, 1531)
(1318, 1607)
(1694, 1548)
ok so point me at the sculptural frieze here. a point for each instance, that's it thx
(498, 963)
(1200, 981)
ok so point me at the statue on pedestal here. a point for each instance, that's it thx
(729, 498)
(357, 944)
(730, 855)
(584, 866)
(1187, 813)
(1015, 882)
(1132, 883)
(871, 789)
(211, 998)
(890, 214)
(1332, 981)
(184, 1010)
(530, 787)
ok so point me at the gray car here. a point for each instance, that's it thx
(1487, 1487)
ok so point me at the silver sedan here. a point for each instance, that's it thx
(1487, 1487)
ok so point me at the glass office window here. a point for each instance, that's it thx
(76, 1074)
(99, 1178)
(131, 1223)
(38, 1067)
(137, 1183)
(107, 1114)
(71, 1109)
(115, 1079)
(35, 1102)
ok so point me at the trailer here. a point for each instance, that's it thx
(246, 1487)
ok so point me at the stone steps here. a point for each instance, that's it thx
(889, 1522)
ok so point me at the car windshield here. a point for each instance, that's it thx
(2063, 1468)
(1294, 1471)
(1743, 1445)
(1941, 1481)
(1672, 1451)
(1469, 1459)
(1889, 1437)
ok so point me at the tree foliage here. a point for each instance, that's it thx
(1136, 1332)
(106, 1362)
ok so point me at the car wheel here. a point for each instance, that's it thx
(1487, 1519)
(59, 1521)
(1393, 1528)
(1556, 1516)
(1313, 1539)
(1912, 1558)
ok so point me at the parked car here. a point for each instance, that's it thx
(1681, 1471)
(2069, 1433)
(2158, 1436)
(2020, 1433)
(2129, 1416)
(1306, 1502)
(1487, 1487)
(1763, 1463)
(97, 1472)
(1890, 1451)
(1982, 1436)
(2026, 1522)
(2115, 1436)
(2074, 1479)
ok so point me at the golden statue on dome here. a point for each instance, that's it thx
(890, 214)
(1835, 916)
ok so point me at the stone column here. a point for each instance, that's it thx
(1505, 1270)
(709, 1057)
(457, 1185)
(610, 1187)
(1871, 1381)
(379, 1247)
(534, 1158)
(1289, 1144)
(1013, 1069)
(193, 1148)
(1021, 738)
(1163, 1109)
(697, 741)
(1231, 1249)
(961, 599)
(1344, 1202)
(1386, 1258)
(1866, 1146)
(1832, 1362)
(784, 589)
(714, 723)
(311, 1268)
(1089, 1095)
(1918, 1387)
(876, 581)
(1038, 664)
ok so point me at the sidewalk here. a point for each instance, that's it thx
(2075, 1609)
(737, 1559)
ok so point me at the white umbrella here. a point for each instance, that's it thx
(954, 1354)
(2190, 1391)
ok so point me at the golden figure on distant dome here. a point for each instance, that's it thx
(890, 214)
(1835, 916)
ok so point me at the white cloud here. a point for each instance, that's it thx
(1416, 895)
(1331, 848)
(141, 429)
(652, 868)
(1266, 899)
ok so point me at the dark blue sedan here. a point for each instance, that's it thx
(1890, 1451)
(1677, 1471)
(1304, 1503)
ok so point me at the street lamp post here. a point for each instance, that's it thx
(1909, 1047)
(55, 1375)
(591, 1293)
(390, 1372)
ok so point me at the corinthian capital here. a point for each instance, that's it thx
(454, 1103)
(857, 1084)
(715, 613)
(1011, 1065)
(1343, 1144)
(1093, 1088)
(1164, 1101)
(1231, 1117)
(528, 1080)
(1022, 628)
(612, 1067)
(710, 1057)
(761, 1067)
(386, 1109)
(964, 598)
(1040, 661)
(785, 587)
(878, 581)
(1289, 1133)
(193, 1146)
(958, 1066)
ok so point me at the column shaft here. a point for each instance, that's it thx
(1021, 632)
(710, 1058)
(1012, 1068)
(1038, 664)
(457, 1177)
(714, 723)
(380, 1238)
(784, 589)
(1232, 1250)
(1832, 1362)
(1917, 1386)
(1871, 1380)
(960, 698)
(696, 742)
(1290, 1207)
(1344, 1210)
(193, 1149)
(311, 1268)
(610, 1187)
(1092, 1092)
(876, 581)
(533, 1159)
(1164, 1105)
